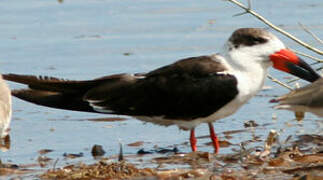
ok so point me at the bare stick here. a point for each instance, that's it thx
(308, 56)
(293, 80)
(311, 33)
(278, 82)
(248, 10)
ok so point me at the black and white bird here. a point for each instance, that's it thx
(306, 99)
(186, 93)
(5, 109)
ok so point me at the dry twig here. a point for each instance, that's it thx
(308, 56)
(278, 82)
(248, 10)
(311, 33)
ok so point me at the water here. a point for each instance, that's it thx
(89, 38)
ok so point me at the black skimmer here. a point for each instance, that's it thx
(305, 99)
(186, 93)
(5, 108)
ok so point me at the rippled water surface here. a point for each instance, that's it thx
(86, 39)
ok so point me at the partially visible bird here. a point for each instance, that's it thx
(306, 99)
(186, 93)
(5, 108)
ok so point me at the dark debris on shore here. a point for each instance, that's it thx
(299, 158)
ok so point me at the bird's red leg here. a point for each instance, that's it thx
(193, 140)
(214, 138)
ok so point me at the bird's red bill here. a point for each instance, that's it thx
(282, 57)
(287, 61)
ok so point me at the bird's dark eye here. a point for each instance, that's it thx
(259, 40)
(252, 40)
(247, 40)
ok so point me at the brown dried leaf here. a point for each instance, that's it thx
(190, 158)
(137, 143)
(223, 144)
(309, 158)
(43, 161)
(45, 151)
(227, 177)
(234, 131)
(278, 162)
(11, 171)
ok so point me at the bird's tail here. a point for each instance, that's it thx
(54, 92)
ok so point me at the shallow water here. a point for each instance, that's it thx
(90, 38)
